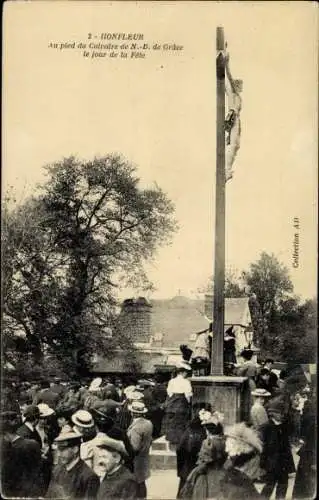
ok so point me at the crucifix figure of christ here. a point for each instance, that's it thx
(233, 89)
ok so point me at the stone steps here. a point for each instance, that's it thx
(162, 454)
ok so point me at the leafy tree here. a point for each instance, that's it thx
(234, 287)
(293, 330)
(67, 251)
(284, 328)
(269, 283)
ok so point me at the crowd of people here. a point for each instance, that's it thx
(252, 459)
(78, 440)
(91, 439)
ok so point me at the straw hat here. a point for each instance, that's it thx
(95, 384)
(135, 396)
(45, 410)
(83, 418)
(128, 389)
(68, 437)
(261, 393)
(137, 407)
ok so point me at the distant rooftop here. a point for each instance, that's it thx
(180, 317)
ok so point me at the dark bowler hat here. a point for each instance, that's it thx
(66, 412)
(32, 412)
(102, 418)
(276, 406)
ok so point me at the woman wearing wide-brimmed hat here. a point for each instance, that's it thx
(258, 414)
(243, 447)
(203, 482)
(178, 404)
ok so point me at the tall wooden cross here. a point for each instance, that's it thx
(217, 358)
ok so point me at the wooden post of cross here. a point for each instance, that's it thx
(217, 361)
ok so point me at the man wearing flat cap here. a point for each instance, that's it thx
(117, 482)
(71, 478)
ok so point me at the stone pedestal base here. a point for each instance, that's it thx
(229, 395)
(162, 455)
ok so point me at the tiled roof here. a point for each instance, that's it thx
(235, 310)
(179, 317)
(176, 319)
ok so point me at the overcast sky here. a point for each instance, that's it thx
(160, 113)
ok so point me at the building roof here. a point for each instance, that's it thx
(235, 310)
(180, 317)
(117, 364)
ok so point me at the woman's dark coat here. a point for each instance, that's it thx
(305, 481)
(176, 418)
(20, 468)
(189, 448)
(235, 485)
(276, 454)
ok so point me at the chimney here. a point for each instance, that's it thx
(135, 317)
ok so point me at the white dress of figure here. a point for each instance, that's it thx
(180, 385)
(232, 122)
(201, 347)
